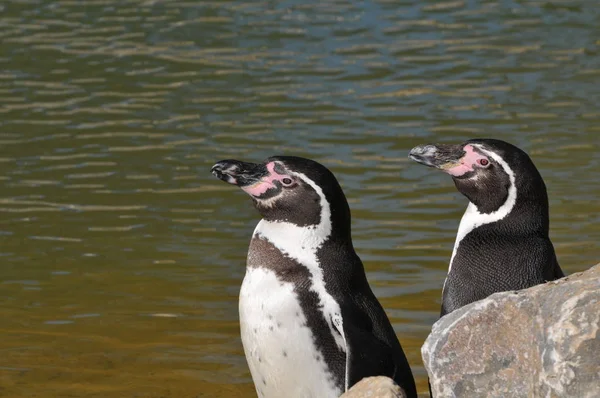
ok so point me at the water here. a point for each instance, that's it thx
(122, 256)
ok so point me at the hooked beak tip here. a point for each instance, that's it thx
(225, 171)
(424, 154)
(217, 170)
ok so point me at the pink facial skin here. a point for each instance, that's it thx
(467, 162)
(266, 182)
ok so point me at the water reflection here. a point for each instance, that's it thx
(122, 257)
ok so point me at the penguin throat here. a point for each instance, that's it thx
(487, 202)
(297, 240)
(285, 207)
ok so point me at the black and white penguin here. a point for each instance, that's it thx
(502, 242)
(310, 324)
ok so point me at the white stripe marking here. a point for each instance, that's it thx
(473, 218)
(301, 244)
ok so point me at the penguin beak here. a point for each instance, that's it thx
(239, 173)
(440, 156)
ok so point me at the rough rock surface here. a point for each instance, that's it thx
(539, 342)
(375, 387)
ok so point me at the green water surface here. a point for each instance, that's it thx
(121, 257)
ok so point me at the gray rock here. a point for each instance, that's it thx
(538, 342)
(375, 387)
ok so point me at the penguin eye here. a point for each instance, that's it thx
(483, 162)
(287, 181)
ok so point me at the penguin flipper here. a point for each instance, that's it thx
(558, 272)
(367, 355)
(372, 347)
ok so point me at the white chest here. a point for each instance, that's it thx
(277, 343)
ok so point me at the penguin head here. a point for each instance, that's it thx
(289, 189)
(488, 172)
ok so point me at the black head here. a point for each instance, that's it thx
(289, 189)
(488, 172)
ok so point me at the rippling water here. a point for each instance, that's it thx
(122, 257)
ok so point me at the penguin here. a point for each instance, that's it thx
(310, 324)
(502, 241)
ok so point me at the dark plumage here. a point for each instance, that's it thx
(305, 293)
(502, 243)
